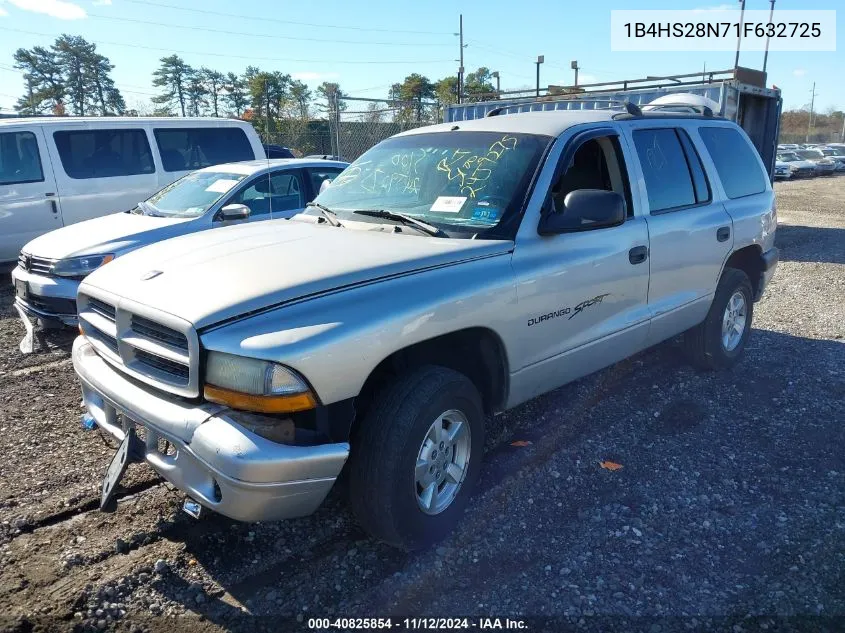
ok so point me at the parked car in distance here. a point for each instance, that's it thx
(450, 272)
(57, 171)
(51, 267)
(824, 165)
(278, 151)
(836, 154)
(799, 167)
(787, 147)
(782, 170)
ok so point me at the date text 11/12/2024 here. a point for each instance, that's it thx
(418, 624)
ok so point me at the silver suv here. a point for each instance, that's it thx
(449, 273)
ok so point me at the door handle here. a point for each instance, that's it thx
(53, 206)
(638, 254)
(723, 233)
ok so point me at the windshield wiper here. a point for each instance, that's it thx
(408, 220)
(330, 215)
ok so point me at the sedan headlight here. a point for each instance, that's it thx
(80, 266)
(256, 385)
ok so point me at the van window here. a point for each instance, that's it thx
(193, 148)
(736, 161)
(104, 153)
(19, 158)
(665, 169)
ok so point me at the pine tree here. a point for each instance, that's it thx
(45, 91)
(235, 97)
(172, 76)
(213, 81)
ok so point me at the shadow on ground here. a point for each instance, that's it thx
(811, 244)
(686, 421)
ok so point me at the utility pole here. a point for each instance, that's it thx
(498, 88)
(766, 54)
(540, 60)
(267, 112)
(739, 41)
(31, 104)
(461, 67)
(812, 105)
(574, 66)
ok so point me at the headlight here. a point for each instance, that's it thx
(80, 266)
(250, 384)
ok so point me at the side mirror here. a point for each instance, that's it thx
(584, 210)
(324, 185)
(233, 213)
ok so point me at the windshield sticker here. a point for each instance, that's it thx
(221, 186)
(487, 214)
(448, 204)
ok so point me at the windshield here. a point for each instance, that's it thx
(810, 154)
(193, 195)
(465, 183)
(789, 157)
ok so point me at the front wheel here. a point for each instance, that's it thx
(719, 341)
(416, 457)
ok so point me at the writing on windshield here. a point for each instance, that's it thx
(470, 170)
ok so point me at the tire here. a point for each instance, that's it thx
(704, 344)
(384, 492)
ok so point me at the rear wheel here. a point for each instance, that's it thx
(719, 341)
(416, 457)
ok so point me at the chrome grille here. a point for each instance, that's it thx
(159, 349)
(173, 369)
(38, 265)
(101, 308)
(158, 332)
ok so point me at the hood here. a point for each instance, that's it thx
(215, 275)
(116, 233)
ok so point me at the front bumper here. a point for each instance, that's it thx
(217, 461)
(51, 299)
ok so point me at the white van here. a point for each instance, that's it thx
(56, 171)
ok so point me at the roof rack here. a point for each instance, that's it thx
(612, 104)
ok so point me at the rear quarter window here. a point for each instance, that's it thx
(183, 149)
(736, 161)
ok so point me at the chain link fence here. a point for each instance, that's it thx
(354, 126)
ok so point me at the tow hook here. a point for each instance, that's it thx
(191, 507)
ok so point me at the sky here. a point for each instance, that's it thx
(368, 45)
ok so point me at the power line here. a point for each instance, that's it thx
(278, 21)
(247, 57)
(246, 34)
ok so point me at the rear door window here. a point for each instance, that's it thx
(736, 161)
(104, 153)
(183, 149)
(20, 160)
(667, 175)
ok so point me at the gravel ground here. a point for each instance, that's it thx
(728, 511)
